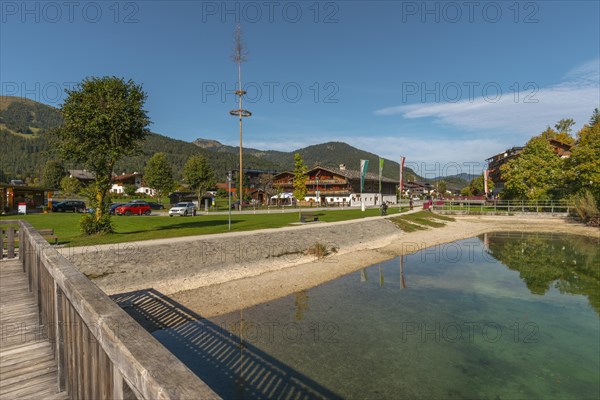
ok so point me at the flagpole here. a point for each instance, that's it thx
(364, 165)
(380, 172)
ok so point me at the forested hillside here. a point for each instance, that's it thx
(330, 154)
(26, 134)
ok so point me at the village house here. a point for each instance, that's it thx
(418, 189)
(135, 179)
(337, 186)
(85, 177)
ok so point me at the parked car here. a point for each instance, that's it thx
(236, 205)
(113, 206)
(153, 205)
(133, 208)
(69, 205)
(184, 209)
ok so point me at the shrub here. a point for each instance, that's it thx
(89, 225)
(319, 250)
(586, 207)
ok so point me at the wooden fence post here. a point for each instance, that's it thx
(10, 242)
(59, 336)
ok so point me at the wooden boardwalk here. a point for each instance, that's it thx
(28, 369)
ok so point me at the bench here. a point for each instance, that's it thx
(48, 234)
(308, 217)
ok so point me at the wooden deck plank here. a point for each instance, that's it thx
(27, 365)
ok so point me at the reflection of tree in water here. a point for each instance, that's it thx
(301, 303)
(571, 263)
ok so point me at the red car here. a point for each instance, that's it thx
(133, 208)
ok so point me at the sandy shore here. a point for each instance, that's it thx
(216, 274)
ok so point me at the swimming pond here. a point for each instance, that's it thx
(500, 316)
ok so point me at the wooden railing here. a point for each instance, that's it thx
(8, 234)
(562, 207)
(101, 352)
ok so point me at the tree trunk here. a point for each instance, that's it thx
(100, 195)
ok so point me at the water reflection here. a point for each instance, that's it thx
(301, 303)
(433, 325)
(222, 356)
(568, 263)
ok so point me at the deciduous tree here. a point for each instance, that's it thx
(104, 120)
(53, 173)
(70, 185)
(536, 174)
(299, 178)
(199, 175)
(476, 187)
(442, 187)
(158, 175)
(565, 125)
(129, 190)
(584, 163)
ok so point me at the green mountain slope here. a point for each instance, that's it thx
(26, 135)
(26, 153)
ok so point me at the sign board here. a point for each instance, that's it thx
(22, 208)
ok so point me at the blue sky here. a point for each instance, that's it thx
(438, 82)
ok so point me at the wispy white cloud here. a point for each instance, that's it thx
(432, 157)
(526, 112)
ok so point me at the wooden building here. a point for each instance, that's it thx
(33, 197)
(340, 186)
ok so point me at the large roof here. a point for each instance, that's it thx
(82, 174)
(352, 174)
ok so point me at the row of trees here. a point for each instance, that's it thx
(539, 174)
(158, 174)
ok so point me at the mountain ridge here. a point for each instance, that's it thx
(29, 148)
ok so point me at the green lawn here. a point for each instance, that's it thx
(420, 220)
(66, 225)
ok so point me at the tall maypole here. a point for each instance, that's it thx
(239, 56)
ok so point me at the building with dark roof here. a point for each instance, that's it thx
(328, 185)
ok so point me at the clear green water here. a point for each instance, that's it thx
(505, 316)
